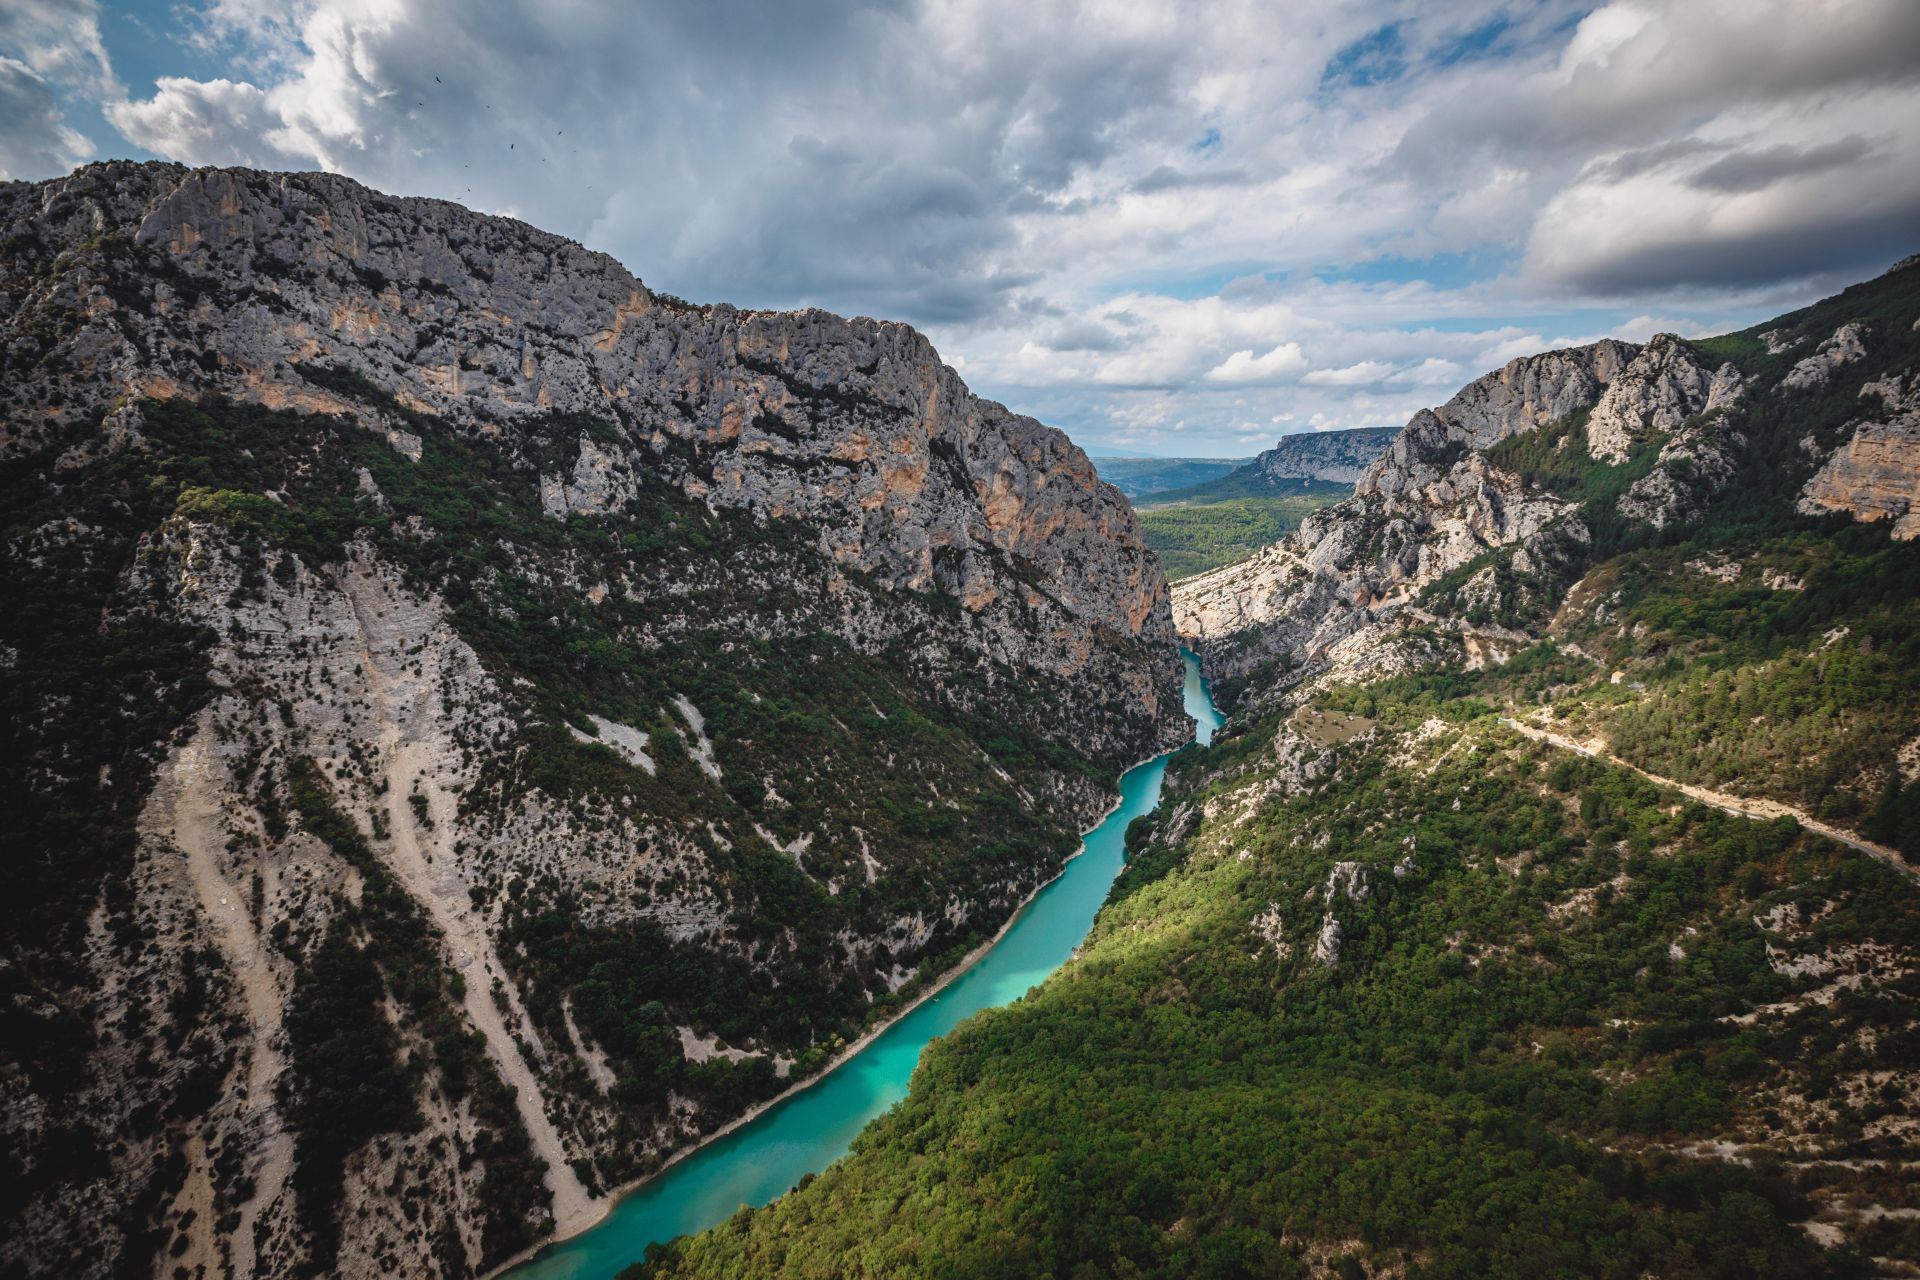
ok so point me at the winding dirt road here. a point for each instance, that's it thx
(1739, 806)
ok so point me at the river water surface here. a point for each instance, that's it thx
(811, 1129)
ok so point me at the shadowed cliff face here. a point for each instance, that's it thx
(1338, 456)
(443, 669)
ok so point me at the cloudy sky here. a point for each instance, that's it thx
(1171, 227)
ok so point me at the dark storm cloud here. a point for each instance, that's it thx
(1761, 167)
(1841, 248)
(1631, 164)
(1085, 336)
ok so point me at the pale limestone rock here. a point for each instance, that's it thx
(1346, 879)
(1335, 592)
(1326, 947)
(627, 741)
(1693, 468)
(854, 426)
(1848, 344)
(1531, 391)
(1875, 474)
(1664, 385)
(1271, 929)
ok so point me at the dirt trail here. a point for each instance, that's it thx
(415, 759)
(191, 795)
(1739, 806)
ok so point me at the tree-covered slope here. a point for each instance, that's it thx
(1440, 1000)
(1197, 535)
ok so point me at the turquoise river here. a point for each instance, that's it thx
(810, 1129)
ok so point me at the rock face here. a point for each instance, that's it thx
(1337, 456)
(1663, 386)
(1875, 474)
(1531, 391)
(1337, 593)
(1847, 345)
(422, 619)
(853, 425)
(1341, 596)
(1464, 537)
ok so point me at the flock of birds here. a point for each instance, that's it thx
(558, 133)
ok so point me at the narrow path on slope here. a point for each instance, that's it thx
(189, 789)
(1739, 806)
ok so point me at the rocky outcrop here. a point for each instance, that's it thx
(1339, 595)
(455, 592)
(1340, 457)
(1875, 474)
(1531, 391)
(1340, 598)
(1847, 345)
(1663, 386)
(1692, 469)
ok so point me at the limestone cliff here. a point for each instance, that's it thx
(1875, 474)
(1340, 457)
(447, 679)
(1337, 593)
(1663, 386)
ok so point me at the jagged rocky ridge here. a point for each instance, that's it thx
(1460, 541)
(452, 689)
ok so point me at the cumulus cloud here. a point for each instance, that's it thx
(217, 122)
(1284, 361)
(1790, 161)
(47, 46)
(1353, 375)
(60, 41)
(1435, 372)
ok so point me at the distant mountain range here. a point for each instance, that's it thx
(1139, 477)
(1307, 462)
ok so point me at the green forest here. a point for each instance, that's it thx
(1193, 537)
(1544, 992)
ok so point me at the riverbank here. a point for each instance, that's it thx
(758, 1156)
(609, 1204)
(611, 1201)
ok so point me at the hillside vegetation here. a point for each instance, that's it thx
(1192, 536)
